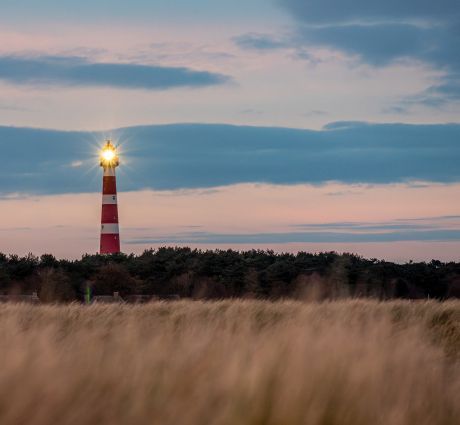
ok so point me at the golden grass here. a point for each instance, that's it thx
(231, 362)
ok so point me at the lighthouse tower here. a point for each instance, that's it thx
(110, 235)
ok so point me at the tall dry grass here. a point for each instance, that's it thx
(231, 362)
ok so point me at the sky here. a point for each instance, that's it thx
(291, 125)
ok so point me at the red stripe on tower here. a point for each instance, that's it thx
(110, 234)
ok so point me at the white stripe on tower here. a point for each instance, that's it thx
(109, 229)
(109, 199)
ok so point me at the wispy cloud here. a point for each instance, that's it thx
(441, 228)
(78, 71)
(301, 237)
(15, 108)
(378, 34)
(257, 41)
(440, 223)
(76, 164)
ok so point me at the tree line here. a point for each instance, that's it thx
(197, 274)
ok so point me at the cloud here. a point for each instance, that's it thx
(380, 33)
(396, 109)
(386, 43)
(327, 11)
(256, 41)
(191, 156)
(423, 229)
(300, 237)
(77, 71)
(268, 42)
(376, 44)
(442, 228)
(440, 223)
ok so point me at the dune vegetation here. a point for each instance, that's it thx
(219, 274)
(231, 362)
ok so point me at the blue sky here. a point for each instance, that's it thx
(222, 102)
(84, 11)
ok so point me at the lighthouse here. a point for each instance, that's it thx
(110, 234)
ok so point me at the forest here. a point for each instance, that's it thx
(220, 274)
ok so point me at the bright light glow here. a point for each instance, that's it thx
(109, 155)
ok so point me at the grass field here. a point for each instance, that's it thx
(231, 362)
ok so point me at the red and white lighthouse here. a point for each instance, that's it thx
(110, 234)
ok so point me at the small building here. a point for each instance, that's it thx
(108, 299)
(20, 298)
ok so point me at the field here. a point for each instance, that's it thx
(231, 362)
